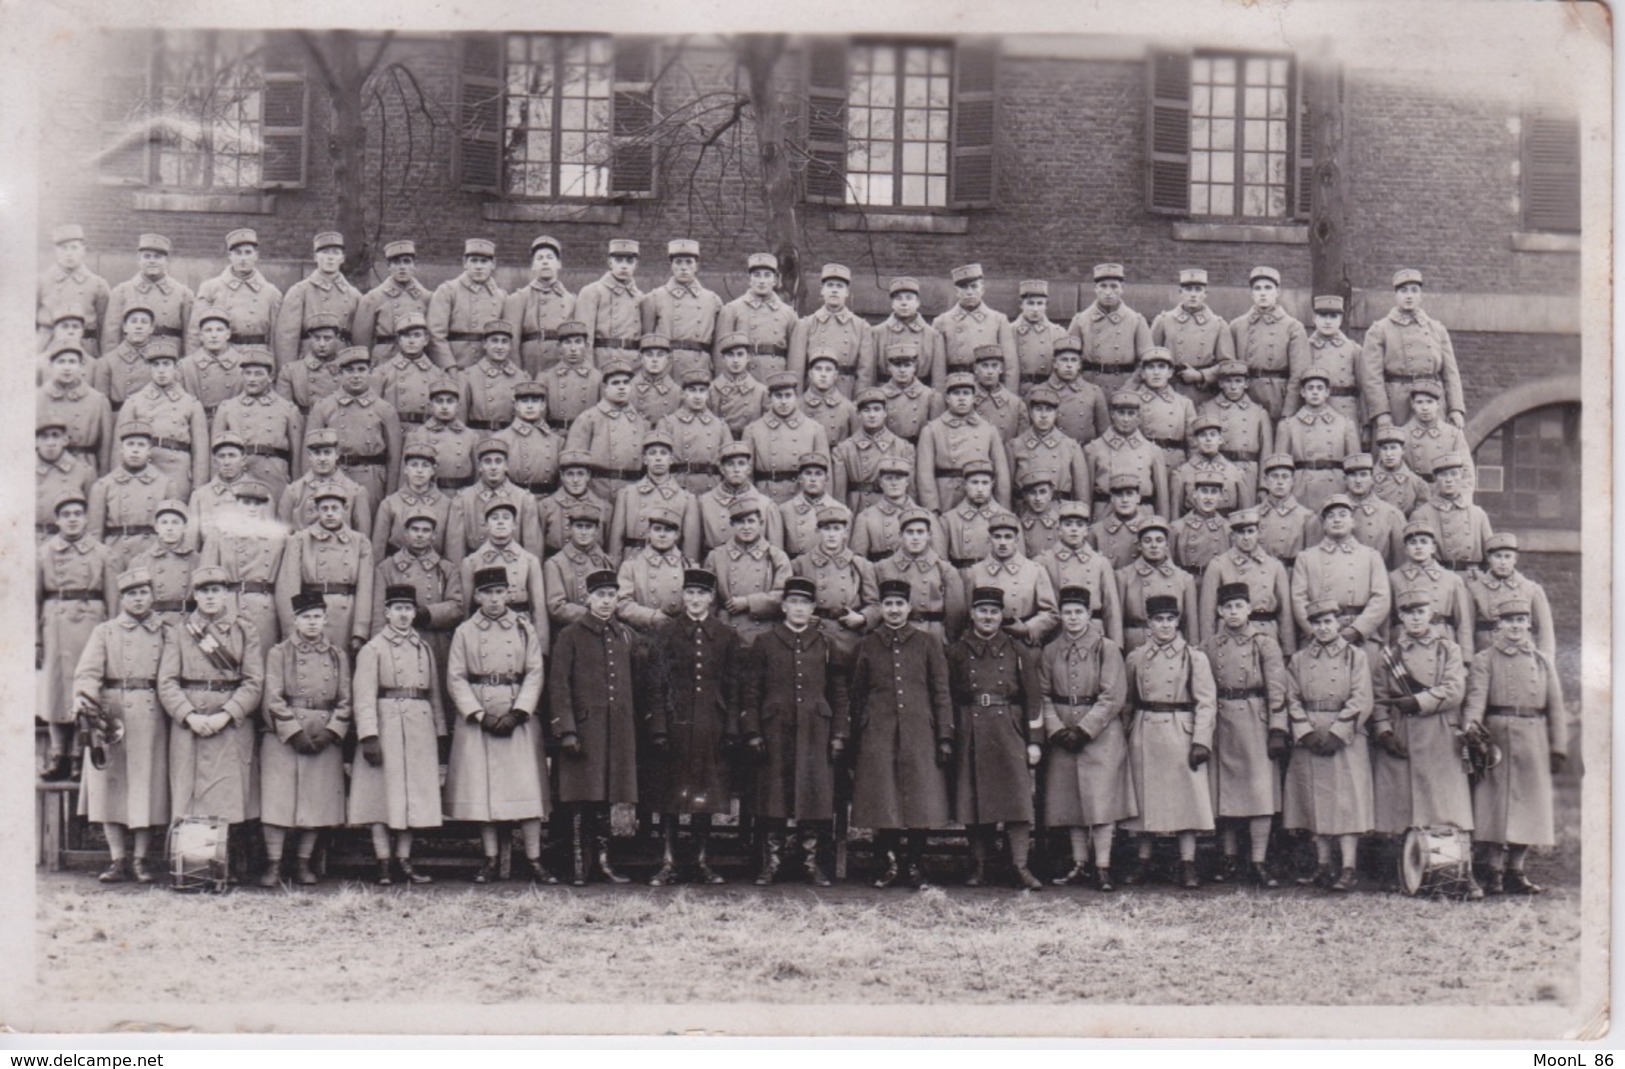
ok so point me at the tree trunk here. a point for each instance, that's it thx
(759, 53)
(1328, 221)
(338, 60)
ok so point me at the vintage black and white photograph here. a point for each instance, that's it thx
(1081, 522)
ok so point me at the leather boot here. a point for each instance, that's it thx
(1187, 876)
(1345, 881)
(142, 873)
(272, 876)
(810, 842)
(303, 874)
(114, 872)
(1475, 893)
(1073, 875)
(1263, 877)
(889, 876)
(702, 868)
(1518, 884)
(488, 871)
(1140, 874)
(539, 873)
(915, 875)
(668, 856)
(385, 876)
(772, 858)
(604, 868)
(1103, 878)
(1497, 883)
(578, 849)
(411, 875)
(1021, 846)
(978, 855)
(1226, 870)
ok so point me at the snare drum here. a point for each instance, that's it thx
(198, 853)
(1437, 861)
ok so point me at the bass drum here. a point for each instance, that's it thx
(1437, 862)
(198, 852)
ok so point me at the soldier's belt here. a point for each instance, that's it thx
(545, 487)
(559, 424)
(629, 474)
(464, 335)
(1073, 699)
(1317, 705)
(1236, 694)
(1262, 615)
(412, 417)
(761, 349)
(275, 452)
(1239, 455)
(90, 335)
(487, 424)
(1288, 561)
(1110, 369)
(496, 679)
(1102, 496)
(84, 450)
(689, 345)
(455, 482)
(313, 706)
(404, 693)
(963, 562)
(163, 332)
(129, 684)
(129, 530)
(1483, 625)
(1165, 707)
(248, 339)
(74, 595)
(948, 473)
(777, 475)
(954, 368)
(1345, 391)
(1461, 565)
(632, 542)
(1194, 569)
(987, 700)
(877, 555)
(114, 405)
(520, 606)
(341, 589)
(220, 686)
(695, 467)
(615, 343)
(256, 586)
(1447, 618)
(867, 487)
(363, 460)
(174, 605)
(176, 444)
(1270, 373)
(538, 335)
(1034, 377)
(1389, 376)
(383, 339)
(1525, 712)
(46, 528)
(1175, 443)
(1320, 465)
(929, 616)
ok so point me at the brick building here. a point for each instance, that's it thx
(1034, 155)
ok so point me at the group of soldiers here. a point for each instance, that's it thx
(1182, 575)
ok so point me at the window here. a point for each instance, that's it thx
(559, 116)
(900, 124)
(1551, 172)
(1229, 137)
(1529, 469)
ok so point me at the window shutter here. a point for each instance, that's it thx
(976, 64)
(284, 114)
(827, 91)
(632, 167)
(1303, 137)
(478, 162)
(1551, 173)
(1168, 133)
(125, 113)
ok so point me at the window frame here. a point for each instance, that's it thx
(1238, 119)
(898, 140)
(1499, 502)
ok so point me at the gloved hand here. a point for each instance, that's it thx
(754, 747)
(1080, 739)
(1035, 754)
(218, 721)
(505, 725)
(489, 722)
(945, 753)
(354, 645)
(199, 725)
(1312, 743)
(660, 743)
(1062, 739)
(1200, 755)
(302, 743)
(571, 745)
(1393, 745)
(1479, 735)
(1408, 705)
(324, 738)
(1559, 762)
(1279, 745)
(373, 751)
(837, 747)
(421, 618)
(1331, 745)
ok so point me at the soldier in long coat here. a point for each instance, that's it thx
(242, 293)
(1029, 596)
(417, 494)
(210, 678)
(1173, 698)
(56, 471)
(1333, 352)
(272, 430)
(1082, 415)
(1249, 732)
(738, 397)
(998, 709)
(750, 572)
(437, 584)
(1395, 481)
(1249, 434)
(683, 310)
(1113, 334)
(335, 559)
(307, 717)
(1515, 700)
(1268, 341)
(1197, 338)
(68, 283)
(572, 383)
(877, 530)
(936, 590)
(758, 319)
(369, 430)
(123, 502)
(951, 441)
(406, 374)
(1502, 579)
(780, 438)
(833, 326)
(1152, 575)
(855, 478)
(379, 313)
(399, 719)
(1088, 786)
(574, 492)
(796, 717)
(72, 595)
(1340, 568)
(594, 720)
(565, 571)
(169, 561)
(1318, 439)
(612, 432)
(690, 716)
(697, 435)
(1376, 523)
(249, 544)
(540, 307)
(903, 734)
(83, 410)
(1402, 347)
(324, 291)
(118, 671)
(466, 522)
(1263, 575)
(1328, 783)
(152, 287)
(609, 307)
(1123, 450)
(498, 769)
(847, 592)
(1452, 605)
(527, 593)
(971, 324)
(1285, 526)
(461, 306)
(1073, 562)
(180, 444)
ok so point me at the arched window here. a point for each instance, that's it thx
(1529, 469)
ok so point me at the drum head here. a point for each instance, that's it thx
(198, 853)
(1412, 862)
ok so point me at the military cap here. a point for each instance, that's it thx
(695, 376)
(1406, 276)
(1150, 523)
(1320, 607)
(161, 349)
(422, 515)
(602, 578)
(1329, 303)
(1231, 369)
(396, 593)
(812, 460)
(443, 384)
(783, 380)
(822, 354)
(132, 309)
(529, 388)
(1003, 519)
(543, 241)
(67, 312)
(572, 328)
(872, 395)
(1279, 460)
(903, 284)
(1208, 478)
(242, 490)
(218, 315)
(66, 498)
(419, 446)
(1512, 606)
(622, 247)
(1419, 527)
(575, 458)
(330, 491)
(761, 259)
(1248, 517)
(153, 243)
(1389, 433)
(399, 248)
(1501, 540)
(1037, 477)
(1431, 387)
(1125, 399)
(480, 247)
(978, 466)
(497, 326)
(903, 351)
(241, 236)
(668, 517)
(731, 450)
(497, 504)
(1205, 423)
(737, 339)
(1161, 605)
(1033, 287)
(1336, 501)
(1313, 372)
(490, 579)
(966, 273)
(311, 598)
(615, 367)
(959, 380)
(1263, 272)
(699, 579)
(354, 354)
(1073, 510)
(895, 588)
(834, 515)
(583, 514)
(1123, 481)
(894, 466)
(741, 510)
(917, 514)
(136, 428)
(44, 421)
(654, 341)
(1448, 461)
(1157, 353)
(228, 439)
(210, 575)
(1358, 462)
(1413, 597)
(800, 587)
(682, 247)
(987, 595)
(1068, 343)
(1193, 276)
(654, 438)
(327, 239)
(67, 232)
(987, 352)
(1043, 395)
(1233, 592)
(1073, 595)
(1107, 272)
(135, 577)
(490, 445)
(838, 272)
(323, 321)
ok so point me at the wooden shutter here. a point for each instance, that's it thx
(284, 114)
(1551, 172)
(1168, 134)
(971, 179)
(125, 107)
(632, 122)
(1303, 138)
(478, 160)
(824, 180)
